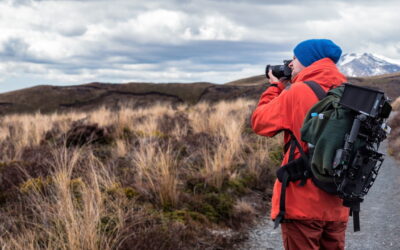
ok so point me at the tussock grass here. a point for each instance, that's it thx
(394, 123)
(396, 104)
(150, 178)
(157, 173)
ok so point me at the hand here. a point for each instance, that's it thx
(272, 78)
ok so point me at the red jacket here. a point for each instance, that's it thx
(284, 109)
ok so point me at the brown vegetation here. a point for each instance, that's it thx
(161, 177)
(394, 123)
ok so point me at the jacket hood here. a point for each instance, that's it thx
(324, 72)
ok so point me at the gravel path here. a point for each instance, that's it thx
(379, 217)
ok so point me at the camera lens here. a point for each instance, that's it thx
(279, 71)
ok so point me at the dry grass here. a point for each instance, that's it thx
(157, 172)
(394, 122)
(69, 215)
(396, 104)
(149, 178)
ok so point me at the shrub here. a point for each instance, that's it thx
(150, 178)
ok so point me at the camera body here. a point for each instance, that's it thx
(280, 70)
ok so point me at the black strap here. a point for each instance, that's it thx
(355, 213)
(297, 144)
(318, 90)
(295, 169)
(292, 147)
(354, 206)
(282, 200)
(304, 167)
(356, 221)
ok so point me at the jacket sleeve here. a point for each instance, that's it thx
(273, 112)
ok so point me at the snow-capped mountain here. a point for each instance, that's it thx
(367, 64)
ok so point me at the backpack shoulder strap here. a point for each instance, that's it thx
(318, 90)
(295, 169)
(321, 94)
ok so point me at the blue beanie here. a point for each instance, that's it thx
(310, 51)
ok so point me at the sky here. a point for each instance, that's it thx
(45, 42)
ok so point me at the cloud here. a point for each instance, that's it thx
(71, 42)
(14, 47)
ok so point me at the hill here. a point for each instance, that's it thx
(92, 95)
(389, 83)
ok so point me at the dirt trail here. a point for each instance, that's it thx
(380, 217)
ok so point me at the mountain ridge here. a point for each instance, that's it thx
(366, 64)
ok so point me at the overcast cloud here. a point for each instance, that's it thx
(75, 42)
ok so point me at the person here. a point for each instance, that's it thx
(313, 218)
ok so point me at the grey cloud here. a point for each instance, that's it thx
(198, 52)
(200, 56)
(24, 2)
(17, 50)
(72, 31)
(14, 48)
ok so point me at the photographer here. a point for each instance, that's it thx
(312, 218)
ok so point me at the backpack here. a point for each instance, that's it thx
(343, 130)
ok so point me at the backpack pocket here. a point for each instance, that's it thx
(326, 132)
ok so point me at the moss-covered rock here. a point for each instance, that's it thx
(216, 207)
(77, 187)
(117, 191)
(127, 134)
(207, 210)
(198, 185)
(222, 204)
(185, 216)
(108, 224)
(36, 185)
(276, 155)
(130, 192)
(237, 186)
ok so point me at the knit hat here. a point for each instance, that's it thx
(310, 51)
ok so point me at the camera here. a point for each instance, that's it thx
(356, 175)
(364, 100)
(280, 70)
(357, 164)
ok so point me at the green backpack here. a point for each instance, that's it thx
(343, 131)
(324, 129)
